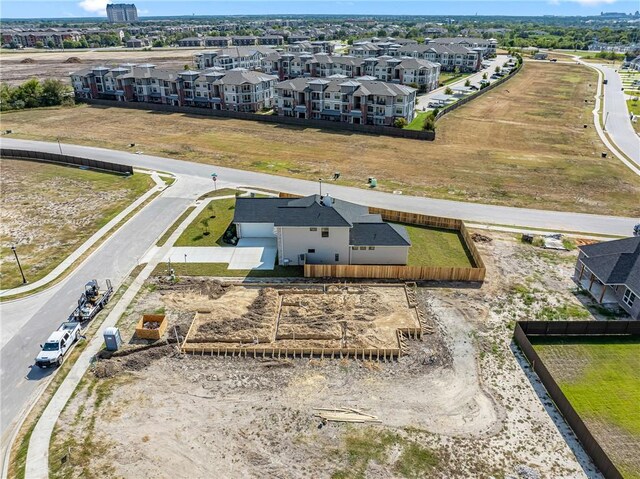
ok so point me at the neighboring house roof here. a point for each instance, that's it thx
(365, 229)
(615, 262)
(378, 234)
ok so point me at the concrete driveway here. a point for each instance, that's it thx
(254, 253)
(249, 253)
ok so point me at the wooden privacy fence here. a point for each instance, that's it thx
(476, 272)
(371, 354)
(568, 330)
(66, 160)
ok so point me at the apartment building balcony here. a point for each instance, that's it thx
(300, 108)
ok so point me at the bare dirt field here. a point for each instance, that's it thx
(459, 404)
(21, 66)
(522, 144)
(49, 210)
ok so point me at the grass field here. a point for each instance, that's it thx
(437, 247)
(49, 210)
(209, 226)
(601, 379)
(418, 122)
(522, 144)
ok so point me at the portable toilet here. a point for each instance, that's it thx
(112, 339)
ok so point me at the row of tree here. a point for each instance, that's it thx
(34, 94)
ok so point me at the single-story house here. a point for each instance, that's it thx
(322, 230)
(610, 272)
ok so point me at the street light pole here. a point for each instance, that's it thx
(59, 146)
(24, 280)
(320, 180)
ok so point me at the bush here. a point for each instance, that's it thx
(33, 94)
(448, 91)
(400, 122)
(429, 123)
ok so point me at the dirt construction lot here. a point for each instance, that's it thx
(522, 144)
(49, 210)
(20, 66)
(459, 404)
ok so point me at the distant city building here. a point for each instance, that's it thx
(122, 13)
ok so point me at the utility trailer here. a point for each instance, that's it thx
(92, 300)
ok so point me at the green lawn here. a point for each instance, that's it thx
(220, 269)
(209, 226)
(437, 247)
(163, 239)
(449, 77)
(601, 379)
(418, 122)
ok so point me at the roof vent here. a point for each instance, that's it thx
(326, 200)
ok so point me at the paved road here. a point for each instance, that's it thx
(422, 101)
(29, 321)
(33, 318)
(618, 125)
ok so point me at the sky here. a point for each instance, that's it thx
(96, 8)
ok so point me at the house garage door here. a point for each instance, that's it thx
(257, 230)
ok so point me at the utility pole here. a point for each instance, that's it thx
(24, 280)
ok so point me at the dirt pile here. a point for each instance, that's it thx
(72, 60)
(27, 61)
(480, 238)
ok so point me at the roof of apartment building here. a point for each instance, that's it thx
(241, 76)
(435, 47)
(460, 40)
(310, 211)
(364, 87)
(615, 262)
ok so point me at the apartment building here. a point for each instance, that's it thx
(271, 40)
(449, 57)
(192, 42)
(122, 13)
(30, 38)
(250, 58)
(408, 70)
(221, 42)
(311, 47)
(488, 46)
(218, 89)
(368, 102)
(244, 41)
(366, 50)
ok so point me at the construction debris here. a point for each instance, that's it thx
(480, 238)
(344, 414)
(73, 60)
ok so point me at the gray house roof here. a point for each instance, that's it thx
(365, 229)
(615, 262)
(378, 234)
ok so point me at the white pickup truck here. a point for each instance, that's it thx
(58, 344)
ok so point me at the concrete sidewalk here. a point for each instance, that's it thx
(78, 253)
(37, 463)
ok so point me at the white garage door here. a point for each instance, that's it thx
(257, 230)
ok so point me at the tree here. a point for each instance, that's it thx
(50, 44)
(429, 123)
(497, 69)
(382, 33)
(456, 70)
(158, 43)
(467, 83)
(29, 92)
(400, 122)
(54, 92)
(484, 76)
(448, 91)
(39, 45)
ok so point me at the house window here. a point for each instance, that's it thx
(311, 250)
(629, 297)
(354, 248)
(313, 229)
(371, 248)
(325, 232)
(337, 257)
(362, 248)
